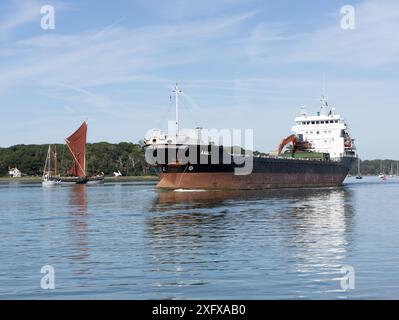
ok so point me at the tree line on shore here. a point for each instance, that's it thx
(375, 167)
(128, 158)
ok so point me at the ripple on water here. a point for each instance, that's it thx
(128, 240)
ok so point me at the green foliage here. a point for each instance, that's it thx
(126, 157)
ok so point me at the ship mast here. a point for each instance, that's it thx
(324, 103)
(55, 160)
(177, 92)
(47, 165)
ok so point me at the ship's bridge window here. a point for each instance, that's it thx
(322, 122)
(313, 122)
(304, 123)
(308, 122)
(317, 122)
(336, 121)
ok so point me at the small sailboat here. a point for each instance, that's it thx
(117, 174)
(359, 176)
(382, 175)
(50, 176)
(76, 144)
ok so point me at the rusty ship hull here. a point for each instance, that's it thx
(267, 173)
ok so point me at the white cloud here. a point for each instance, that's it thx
(374, 42)
(111, 55)
(24, 12)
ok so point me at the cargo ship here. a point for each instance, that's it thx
(318, 153)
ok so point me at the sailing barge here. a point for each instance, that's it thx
(77, 174)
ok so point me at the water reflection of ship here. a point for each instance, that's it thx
(320, 232)
(309, 229)
(79, 227)
(209, 199)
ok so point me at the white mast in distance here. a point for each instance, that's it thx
(177, 92)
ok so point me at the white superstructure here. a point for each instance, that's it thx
(326, 131)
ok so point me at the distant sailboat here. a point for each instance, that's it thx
(117, 174)
(382, 174)
(76, 144)
(391, 172)
(359, 176)
(50, 175)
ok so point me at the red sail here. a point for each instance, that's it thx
(77, 147)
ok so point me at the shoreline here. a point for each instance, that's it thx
(106, 179)
(5, 180)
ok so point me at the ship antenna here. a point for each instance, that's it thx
(324, 103)
(177, 92)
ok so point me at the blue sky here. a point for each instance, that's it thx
(241, 64)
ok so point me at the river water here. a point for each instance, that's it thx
(130, 241)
